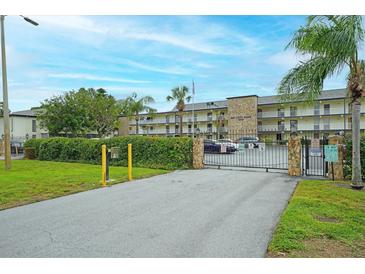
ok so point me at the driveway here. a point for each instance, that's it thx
(192, 213)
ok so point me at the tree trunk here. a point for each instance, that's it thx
(356, 162)
(137, 126)
(181, 124)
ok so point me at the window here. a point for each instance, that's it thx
(167, 129)
(281, 112)
(34, 126)
(293, 111)
(316, 108)
(326, 123)
(316, 135)
(189, 128)
(209, 127)
(176, 128)
(34, 136)
(209, 116)
(195, 117)
(327, 108)
(167, 119)
(259, 113)
(316, 123)
(281, 125)
(177, 118)
(279, 137)
(293, 125)
(259, 126)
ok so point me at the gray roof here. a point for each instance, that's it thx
(325, 95)
(204, 105)
(25, 113)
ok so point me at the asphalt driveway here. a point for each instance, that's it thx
(192, 213)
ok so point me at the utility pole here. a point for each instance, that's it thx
(5, 91)
(5, 98)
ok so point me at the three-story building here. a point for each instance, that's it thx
(266, 117)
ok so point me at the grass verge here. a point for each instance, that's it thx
(31, 181)
(323, 219)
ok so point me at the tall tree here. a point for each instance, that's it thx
(331, 43)
(134, 106)
(78, 112)
(104, 111)
(180, 95)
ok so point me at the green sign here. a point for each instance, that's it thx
(331, 153)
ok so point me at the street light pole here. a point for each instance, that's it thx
(5, 98)
(5, 91)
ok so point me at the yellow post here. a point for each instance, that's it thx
(103, 165)
(130, 162)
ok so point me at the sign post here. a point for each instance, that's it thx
(103, 165)
(331, 155)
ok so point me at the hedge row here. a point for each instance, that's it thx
(348, 161)
(152, 152)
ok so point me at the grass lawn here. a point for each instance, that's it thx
(323, 219)
(30, 180)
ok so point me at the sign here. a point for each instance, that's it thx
(315, 149)
(223, 148)
(261, 147)
(114, 152)
(331, 153)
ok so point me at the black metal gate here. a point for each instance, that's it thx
(244, 149)
(313, 160)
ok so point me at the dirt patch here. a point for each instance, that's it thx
(324, 248)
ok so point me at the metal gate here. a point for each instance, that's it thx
(313, 160)
(244, 149)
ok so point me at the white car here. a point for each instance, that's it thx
(228, 142)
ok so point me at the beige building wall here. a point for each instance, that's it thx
(242, 113)
(123, 128)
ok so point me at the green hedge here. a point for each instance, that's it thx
(152, 152)
(348, 162)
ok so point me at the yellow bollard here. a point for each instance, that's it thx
(103, 165)
(130, 162)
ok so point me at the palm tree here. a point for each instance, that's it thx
(180, 95)
(331, 43)
(133, 106)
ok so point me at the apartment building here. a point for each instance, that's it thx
(23, 126)
(266, 117)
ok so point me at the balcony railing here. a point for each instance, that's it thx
(326, 127)
(316, 127)
(209, 118)
(209, 129)
(281, 114)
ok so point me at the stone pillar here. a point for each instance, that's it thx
(337, 166)
(198, 153)
(294, 156)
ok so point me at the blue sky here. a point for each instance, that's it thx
(225, 55)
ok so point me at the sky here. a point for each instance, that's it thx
(225, 56)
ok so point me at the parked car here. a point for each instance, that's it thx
(228, 142)
(211, 146)
(248, 140)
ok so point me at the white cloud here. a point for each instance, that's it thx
(286, 59)
(95, 78)
(202, 36)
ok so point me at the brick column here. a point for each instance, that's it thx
(294, 156)
(338, 166)
(198, 153)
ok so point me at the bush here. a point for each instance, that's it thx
(348, 162)
(152, 152)
(29, 153)
(33, 143)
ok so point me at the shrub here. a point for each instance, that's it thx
(152, 152)
(33, 143)
(29, 153)
(348, 161)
